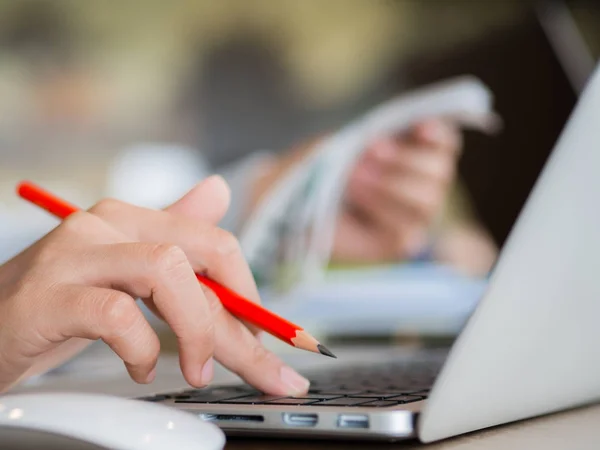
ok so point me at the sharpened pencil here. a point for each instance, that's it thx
(237, 305)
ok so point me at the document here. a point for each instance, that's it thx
(288, 239)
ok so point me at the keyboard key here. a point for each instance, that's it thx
(380, 403)
(377, 395)
(318, 396)
(405, 398)
(337, 392)
(153, 398)
(253, 399)
(398, 381)
(327, 388)
(222, 390)
(293, 401)
(207, 397)
(343, 401)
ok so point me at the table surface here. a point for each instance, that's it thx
(574, 429)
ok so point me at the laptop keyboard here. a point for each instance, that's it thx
(374, 386)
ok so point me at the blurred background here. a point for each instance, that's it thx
(81, 81)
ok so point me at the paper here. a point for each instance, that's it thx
(288, 239)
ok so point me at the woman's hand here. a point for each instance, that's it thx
(398, 187)
(79, 283)
(395, 192)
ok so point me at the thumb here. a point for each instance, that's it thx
(207, 201)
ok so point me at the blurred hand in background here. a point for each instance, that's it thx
(394, 196)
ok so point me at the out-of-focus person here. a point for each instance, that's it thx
(402, 200)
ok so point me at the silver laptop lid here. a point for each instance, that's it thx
(533, 344)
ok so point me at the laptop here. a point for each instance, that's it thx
(529, 349)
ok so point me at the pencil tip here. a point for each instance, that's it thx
(325, 351)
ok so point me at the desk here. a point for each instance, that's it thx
(575, 429)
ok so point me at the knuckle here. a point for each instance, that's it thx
(46, 256)
(167, 257)
(78, 223)
(259, 355)
(107, 207)
(225, 243)
(119, 313)
(170, 261)
(70, 232)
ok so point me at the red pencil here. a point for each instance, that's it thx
(237, 305)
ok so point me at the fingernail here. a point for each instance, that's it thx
(207, 371)
(215, 177)
(295, 383)
(217, 180)
(151, 376)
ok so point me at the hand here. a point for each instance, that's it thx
(78, 284)
(395, 192)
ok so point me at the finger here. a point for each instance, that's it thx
(418, 196)
(208, 201)
(209, 249)
(111, 315)
(394, 159)
(82, 229)
(414, 196)
(163, 273)
(241, 352)
(432, 136)
(439, 134)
